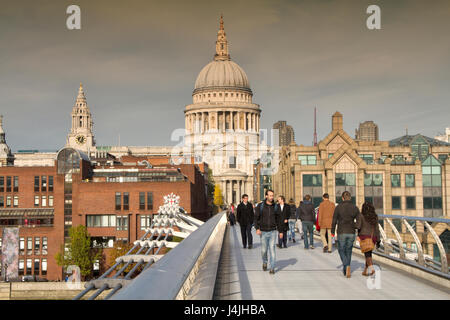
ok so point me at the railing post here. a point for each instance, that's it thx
(444, 265)
(421, 259)
(385, 243)
(399, 239)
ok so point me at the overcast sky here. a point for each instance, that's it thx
(138, 61)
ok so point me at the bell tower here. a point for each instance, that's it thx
(81, 136)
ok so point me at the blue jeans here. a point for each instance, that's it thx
(268, 240)
(345, 246)
(291, 231)
(308, 231)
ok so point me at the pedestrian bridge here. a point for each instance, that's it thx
(210, 263)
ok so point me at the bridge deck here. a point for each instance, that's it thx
(307, 274)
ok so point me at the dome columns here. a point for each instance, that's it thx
(221, 121)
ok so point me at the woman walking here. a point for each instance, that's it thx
(284, 211)
(369, 235)
(232, 216)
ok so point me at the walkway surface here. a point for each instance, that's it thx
(307, 274)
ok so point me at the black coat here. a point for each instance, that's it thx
(267, 218)
(284, 215)
(245, 214)
(293, 214)
(307, 212)
(347, 217)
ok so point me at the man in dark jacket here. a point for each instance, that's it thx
(267, 222)
(347, 217)
(292, 219)
(308, 216)
(245, 216)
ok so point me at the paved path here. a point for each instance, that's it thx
(307, 274)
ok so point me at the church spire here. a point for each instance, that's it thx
(221, 43)
(81, 98)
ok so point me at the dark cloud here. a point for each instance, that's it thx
(138, 61)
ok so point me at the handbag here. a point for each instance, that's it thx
(367, 244)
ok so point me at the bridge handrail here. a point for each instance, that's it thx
(166, 278)
(393, 216)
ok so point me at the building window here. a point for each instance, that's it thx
(122, 223)
(44, 201)
(8, 184)
(2, 202)
(308, 160)
(2, 184)
(29, 246)
(395, 180)
(118, 201)
(44, 267)
(44, 245)
(29, 265)
(141, 200)
(21, 267)
(410, 180)
(432, 202)
(126, 201)
(36, 201)
(37, 246)
(443, 157)
(368, 158)
(50, 183)
(411, 203)
(345, 179)
(44, 183)
(312, 180)
(232, 162)
(36, 183)
(16, 184)
(8, 201)
(36, 267)
(95, 221)
(16, 201)
(431, 173)
(373, 180)
(102, 242)
(146, 221)
(50, 201)
(21, 246)
(149, 200)
(396, 203)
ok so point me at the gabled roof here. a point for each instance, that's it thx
(406, 140)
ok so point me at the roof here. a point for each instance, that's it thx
(407, 139)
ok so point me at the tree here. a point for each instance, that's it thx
(218, 199)
(78, 251)
(119, 249)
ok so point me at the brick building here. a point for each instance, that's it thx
(114, 198)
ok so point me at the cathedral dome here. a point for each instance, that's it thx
(222, 74)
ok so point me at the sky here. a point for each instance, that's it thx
(138, 61)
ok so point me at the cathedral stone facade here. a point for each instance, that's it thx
(222, 123)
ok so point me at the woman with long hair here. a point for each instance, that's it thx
(369, 229)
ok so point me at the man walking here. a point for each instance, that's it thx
(326, 211)
(245, 216)
(292, 220)
(267, 222)
(307, 216)
(345, 215)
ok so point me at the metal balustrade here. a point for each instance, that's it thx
(393, 247)
(169, 216)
